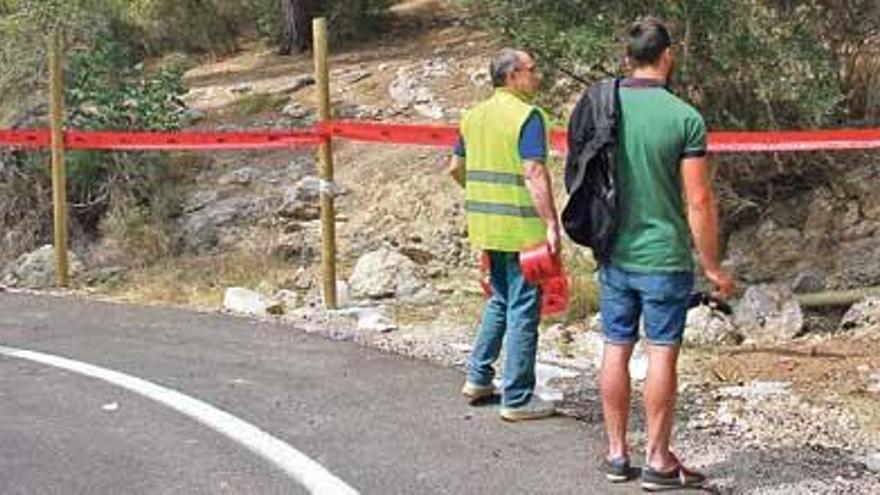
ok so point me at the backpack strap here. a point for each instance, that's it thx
(582, 157)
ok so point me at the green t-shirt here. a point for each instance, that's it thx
(657, 130)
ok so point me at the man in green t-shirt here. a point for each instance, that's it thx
(666, 201)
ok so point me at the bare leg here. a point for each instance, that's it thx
(660, 394)
(615, 386)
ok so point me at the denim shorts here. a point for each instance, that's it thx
(661, 298)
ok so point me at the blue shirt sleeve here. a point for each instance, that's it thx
(533, 139)
(459, 147)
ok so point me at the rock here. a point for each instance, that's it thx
(375, 320)
(242, 89)
(756, 391)
(544, 375)
(764, 253)
(287, 298)
(872, 462)
(299, 83)
(706, 326)
(201, 229)
(809, 280)
(874, 382)
(430, 110)
(241, 177)
(192, 116)
(481, 78)
(302, 202)
(858, 264)
(861, 315)
(275, 307)
(769, 313)
(301, 280)
(295, 111)
(36, 270)
(406, 90)
(435, 67)
(294, 246)
(200, 199)
(246, 302)
(385, 274)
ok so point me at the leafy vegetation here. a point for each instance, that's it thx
(771, 55)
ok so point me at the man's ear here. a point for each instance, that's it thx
(668, 57)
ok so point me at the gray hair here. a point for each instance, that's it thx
(502, 65)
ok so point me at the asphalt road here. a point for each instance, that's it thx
(378, 423)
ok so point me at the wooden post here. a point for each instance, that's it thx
(325, 156)
(59, 178)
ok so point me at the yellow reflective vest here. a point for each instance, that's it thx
(500, 212)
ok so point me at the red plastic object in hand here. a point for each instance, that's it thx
(540, 268)
(554, 296)
(538, 264)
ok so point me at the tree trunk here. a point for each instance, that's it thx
(296, 27)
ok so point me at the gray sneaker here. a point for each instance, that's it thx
(536, 408)
(477, 392)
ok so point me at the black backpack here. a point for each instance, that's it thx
(590, 217)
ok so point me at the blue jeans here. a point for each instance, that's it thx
(515, 310)
(661, 297)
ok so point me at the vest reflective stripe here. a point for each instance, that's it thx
(499, 209)
(499, 193)
(496, 177)
(501, 215)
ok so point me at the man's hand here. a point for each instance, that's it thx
(723, 282)
(554, 239)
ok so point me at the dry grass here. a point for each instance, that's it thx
(832, 370)
(258, 104)
(200, 281)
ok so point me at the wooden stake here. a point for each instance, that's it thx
(59, 178)
(325, 156)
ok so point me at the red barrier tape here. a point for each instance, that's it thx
(146, 141)
(25, 138)
(428, 135)
(170, 141)
(433, 135)
(849, 139)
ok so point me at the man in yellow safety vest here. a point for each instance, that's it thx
(500, 161)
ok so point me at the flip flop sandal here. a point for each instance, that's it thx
(678, 478)
(619, 470)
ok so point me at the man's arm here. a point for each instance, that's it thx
(539, 186)
(702, 212)
(456, 169)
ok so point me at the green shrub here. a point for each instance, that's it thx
(746, 64)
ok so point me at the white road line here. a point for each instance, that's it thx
(297, 465)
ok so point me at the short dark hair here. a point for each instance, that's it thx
(648, 38)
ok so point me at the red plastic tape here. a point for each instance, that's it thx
(34, 138)
(847, 139)
(145, 141)
(434, 135)
(429, 135)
